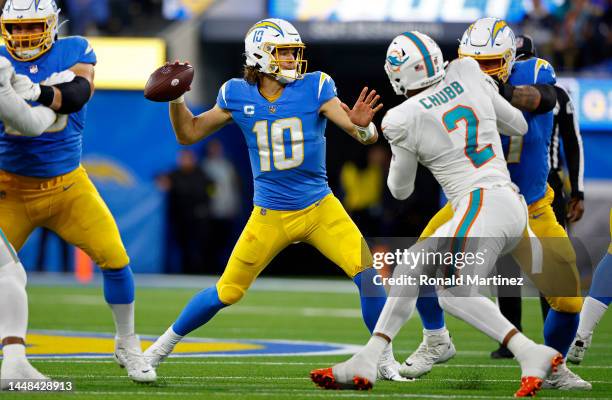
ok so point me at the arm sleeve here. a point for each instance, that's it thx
(29, 121)
(402, 172)
(326, 89)
(572, 142)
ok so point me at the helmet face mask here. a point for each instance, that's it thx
(491, 42)
(29, 28)
(266, 45)
(285, 69)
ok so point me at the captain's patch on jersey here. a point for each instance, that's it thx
(63, 344)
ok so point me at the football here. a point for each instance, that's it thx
(169, 82)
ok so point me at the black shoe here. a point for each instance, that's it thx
(502, 352)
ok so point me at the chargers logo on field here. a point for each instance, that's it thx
(62, 344)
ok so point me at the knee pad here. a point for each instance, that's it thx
(229, 294)
(571, 305)
(15, 272)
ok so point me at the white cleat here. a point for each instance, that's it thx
(128, 355)
(19, 371)
(434, 349)
(576, 352)
(388, 367)
(564, 379)
(157, 352)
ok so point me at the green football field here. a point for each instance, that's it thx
(310, 316)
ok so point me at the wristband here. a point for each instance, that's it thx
(506, 91)
(366, 133)
(46, 95)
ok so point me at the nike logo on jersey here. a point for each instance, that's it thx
(536, 216)
(68, 187)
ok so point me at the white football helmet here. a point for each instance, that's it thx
(491, 42)
(28, 46)
(263, 42)
(414, 61)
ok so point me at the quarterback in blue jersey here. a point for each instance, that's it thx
(45, 84)
(282, 112)
(527, 85)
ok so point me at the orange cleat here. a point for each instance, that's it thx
(324, 378)
(530, 385)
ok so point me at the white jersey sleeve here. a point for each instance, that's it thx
(398, 127)
(451, 129)
(402, 172)
(510, 120)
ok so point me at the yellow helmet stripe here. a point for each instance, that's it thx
(267, 24)
(497, 27)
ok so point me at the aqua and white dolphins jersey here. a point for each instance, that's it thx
(285, 139)
(453, 128)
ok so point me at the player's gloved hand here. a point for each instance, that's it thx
(6, 72)
(506, 90)
(25, 88)
(59, 77)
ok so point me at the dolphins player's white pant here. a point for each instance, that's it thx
(13, 319)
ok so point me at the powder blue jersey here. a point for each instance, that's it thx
(285, 139)
(527, 156)
(57, 151)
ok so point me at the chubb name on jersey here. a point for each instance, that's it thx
(443, 96)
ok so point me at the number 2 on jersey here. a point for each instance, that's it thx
(451, 118)
(277, 133)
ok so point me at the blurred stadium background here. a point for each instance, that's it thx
(154, 187)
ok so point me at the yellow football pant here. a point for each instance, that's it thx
(324, 225)
(68, 205)
(559, 272)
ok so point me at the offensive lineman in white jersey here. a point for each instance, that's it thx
(450, 124)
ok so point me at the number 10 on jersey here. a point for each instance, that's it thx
(275, 143)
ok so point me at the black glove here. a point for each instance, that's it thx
(506, 90)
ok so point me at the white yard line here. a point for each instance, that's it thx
(281, 378)
(314, 393)
(314, 363)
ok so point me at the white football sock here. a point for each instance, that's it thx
(518, 344)
(478, 311)
(123, 315)
(169, 339)
(13, 301)
(374, 349)
(432, 332)
(13, 352)
(592, 312)
(399, 305)
(395, 313)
